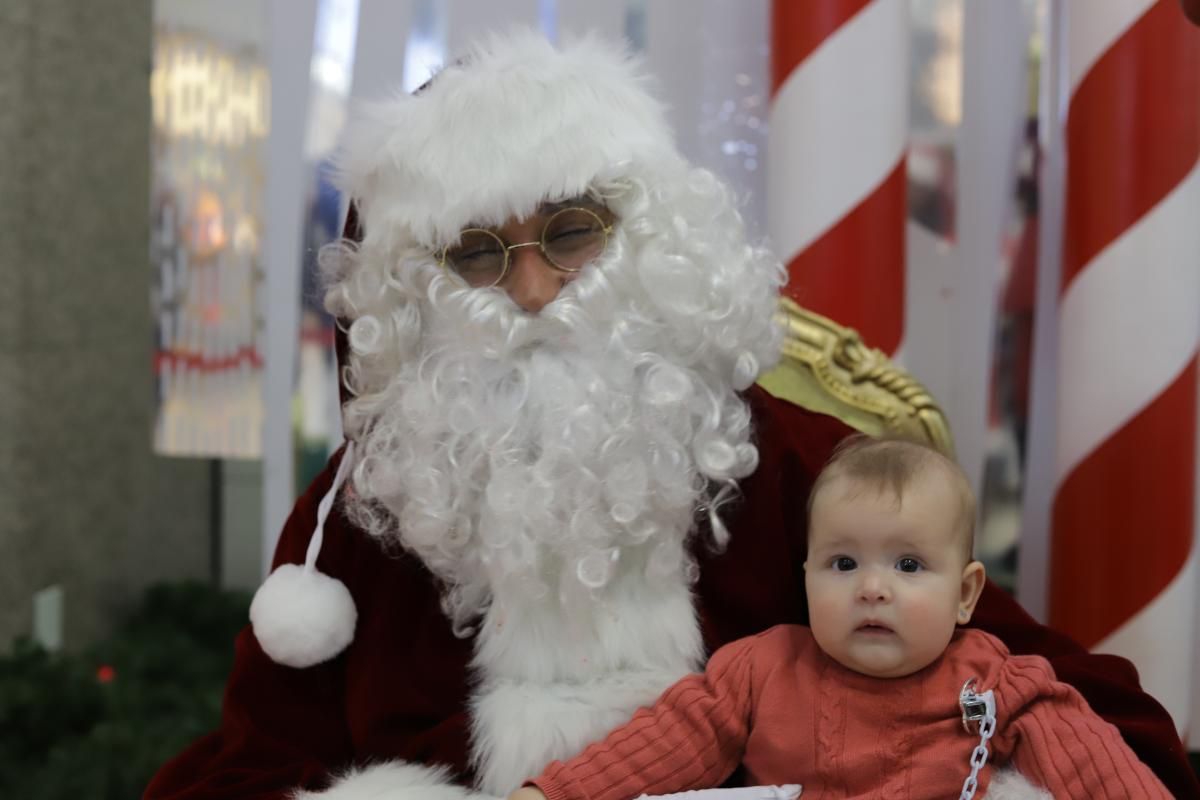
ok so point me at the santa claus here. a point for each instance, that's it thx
(562, 488)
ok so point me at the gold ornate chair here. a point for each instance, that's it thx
(827, 368)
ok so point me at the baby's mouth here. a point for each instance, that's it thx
(874, 628)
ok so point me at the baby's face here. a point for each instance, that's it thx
(887, 581)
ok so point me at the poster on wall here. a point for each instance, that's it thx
(210, 122)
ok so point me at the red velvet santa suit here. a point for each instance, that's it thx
(401, 689)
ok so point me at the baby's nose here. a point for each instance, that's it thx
(873, 588)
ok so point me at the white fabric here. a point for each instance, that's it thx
(394, 780)
(325, 506)
(1008, 784)
(538, 701)
(302, 617)
(786, 792)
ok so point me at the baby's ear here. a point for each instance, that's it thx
(973, 578)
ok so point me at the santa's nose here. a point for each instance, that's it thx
(532, 282)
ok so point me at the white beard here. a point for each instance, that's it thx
(538, 454)
(553, 487)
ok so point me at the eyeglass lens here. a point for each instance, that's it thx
(478, 258)
(570, 239)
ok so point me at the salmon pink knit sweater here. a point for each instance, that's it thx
(778, 705)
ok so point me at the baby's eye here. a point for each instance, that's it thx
(843, 564)
(908, 564)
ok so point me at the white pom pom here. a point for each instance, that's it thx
(302, 618)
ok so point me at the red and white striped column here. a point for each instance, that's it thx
(836, 159)
(1122, 569)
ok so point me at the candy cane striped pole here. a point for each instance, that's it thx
(835, 157)
(1123, 523)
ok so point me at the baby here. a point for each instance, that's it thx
(883, 696)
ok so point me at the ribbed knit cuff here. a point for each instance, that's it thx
(547, 785)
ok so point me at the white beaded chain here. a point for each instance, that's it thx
(979, 708)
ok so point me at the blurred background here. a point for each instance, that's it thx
(1003, 197)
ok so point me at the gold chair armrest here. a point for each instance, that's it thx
(827, 368)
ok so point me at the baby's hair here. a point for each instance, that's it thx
(892, 464)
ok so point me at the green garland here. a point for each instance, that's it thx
(98, 724)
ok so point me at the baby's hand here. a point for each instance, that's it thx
(527, 793)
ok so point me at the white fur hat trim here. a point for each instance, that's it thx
(513, 123)
(301, 616)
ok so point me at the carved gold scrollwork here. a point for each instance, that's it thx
(827, 367)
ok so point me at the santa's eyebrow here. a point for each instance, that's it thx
(571, 202)
(548, 208)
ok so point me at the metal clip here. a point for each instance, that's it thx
(974, 708)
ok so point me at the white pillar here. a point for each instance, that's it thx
(580, 16)
(383, 29)
(467, 20)
(289, 56)
(995, 41)
(1034, 554)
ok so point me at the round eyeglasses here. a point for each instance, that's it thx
(571, 239)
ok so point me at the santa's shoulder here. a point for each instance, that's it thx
(782, 428)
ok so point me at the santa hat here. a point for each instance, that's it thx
(513, 123)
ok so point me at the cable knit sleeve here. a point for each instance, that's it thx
(1056, 740)
(693, 737)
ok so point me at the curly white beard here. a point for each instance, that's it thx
(544, 467)
(530, 454)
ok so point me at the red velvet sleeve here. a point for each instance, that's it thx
(281, 728)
